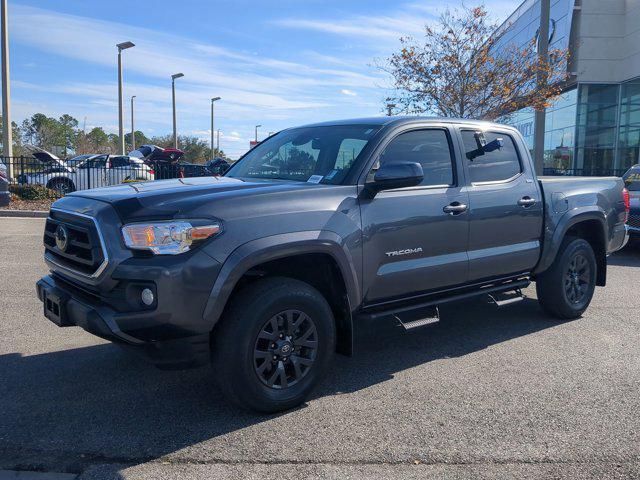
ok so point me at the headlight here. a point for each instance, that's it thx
(168, 238)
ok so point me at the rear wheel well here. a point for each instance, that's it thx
(592, 232)
(321, 271)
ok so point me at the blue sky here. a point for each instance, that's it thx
(275, 63)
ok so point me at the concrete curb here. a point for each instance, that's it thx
(24, 213)
(26, 475)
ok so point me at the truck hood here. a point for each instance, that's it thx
(181, 196)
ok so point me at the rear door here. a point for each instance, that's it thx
(91, 173)
(410, 244)
(506, 208)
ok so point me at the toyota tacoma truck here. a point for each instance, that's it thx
(265, 270)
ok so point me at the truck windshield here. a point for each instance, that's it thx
(313, 154)
(632, 179)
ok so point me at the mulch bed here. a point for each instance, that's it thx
(18, 204)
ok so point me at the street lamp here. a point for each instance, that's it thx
(257, 132)
(390, 107)
(173, 98)
(121, 46)
(213, 100)
(7, 140)
(218, 142)
(133, 129)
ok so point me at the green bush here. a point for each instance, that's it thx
(33, 192)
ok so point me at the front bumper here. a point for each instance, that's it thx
(102, 321)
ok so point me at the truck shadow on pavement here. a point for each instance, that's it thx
(69, 409)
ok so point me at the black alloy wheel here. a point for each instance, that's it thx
(577, 279)
(285, 349)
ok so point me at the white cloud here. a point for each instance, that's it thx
(350, 93)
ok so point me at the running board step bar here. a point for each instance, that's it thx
(431, 317)
(502, 299)
(414, 310)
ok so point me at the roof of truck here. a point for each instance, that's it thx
(394, 121)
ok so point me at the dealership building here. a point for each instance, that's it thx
(593, 128)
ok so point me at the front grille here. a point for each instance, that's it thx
(634, 220)
(83, 252)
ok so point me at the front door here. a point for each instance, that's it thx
(413, 241)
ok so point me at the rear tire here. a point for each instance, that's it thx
(273, 345)
(61, 185)
(565, 290)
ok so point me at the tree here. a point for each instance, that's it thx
(141, 139)
(98, 139)
(50, 133)
(459, 71)
(16, 133)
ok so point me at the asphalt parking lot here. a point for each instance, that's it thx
(486, 393)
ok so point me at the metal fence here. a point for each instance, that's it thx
(32, 179)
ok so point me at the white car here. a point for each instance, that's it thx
(85, 171)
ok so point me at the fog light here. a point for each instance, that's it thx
(147, 297)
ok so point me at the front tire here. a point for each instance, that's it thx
(565, 290)
(273, 345)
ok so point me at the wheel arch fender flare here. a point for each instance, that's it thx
(276, 247)
(553, 240)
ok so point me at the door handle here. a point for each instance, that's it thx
(526, 202)
(455, 208)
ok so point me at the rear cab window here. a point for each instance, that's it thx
(499, 165)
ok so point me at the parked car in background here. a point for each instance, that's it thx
(166, 163)
(218, 166)
(83, 172)
(632, 182)
(4, 186)
(186, 170)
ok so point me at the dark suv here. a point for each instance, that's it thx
(265, 269)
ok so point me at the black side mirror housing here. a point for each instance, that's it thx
(395, 175)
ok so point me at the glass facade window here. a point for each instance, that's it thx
(597, 124)
(560, 127)
(629, 135)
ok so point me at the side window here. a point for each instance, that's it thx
(497, 165)
(430, 148)
(119, 162)
(97, 162)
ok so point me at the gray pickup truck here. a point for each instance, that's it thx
(264, 271)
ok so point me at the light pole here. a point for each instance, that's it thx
(257, 132)
(173, 98)
(218, 142)
(121, 46)
(540, 115)
(133, 128)
(213, 152)
(7, 140)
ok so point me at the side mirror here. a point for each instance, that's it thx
(396, 175)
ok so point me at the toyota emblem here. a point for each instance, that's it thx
(62, 238)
